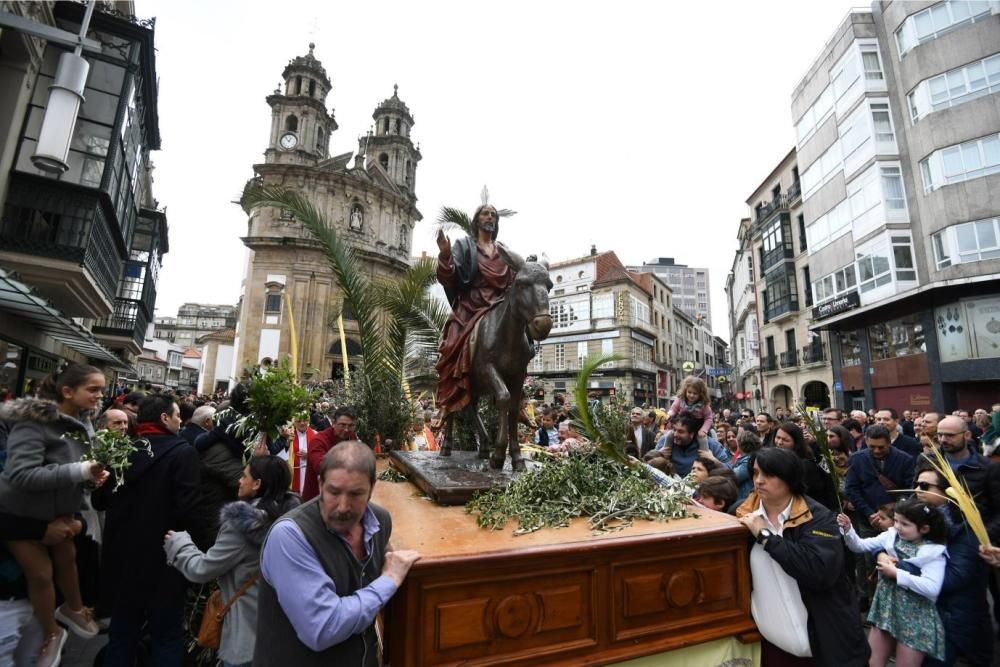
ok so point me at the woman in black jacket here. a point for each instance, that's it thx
(811, 616)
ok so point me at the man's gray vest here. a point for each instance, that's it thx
(277, 642)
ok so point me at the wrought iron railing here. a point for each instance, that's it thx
(59, 221)
(128, 320)
(789, 359)
(771, 363)
(814, 353)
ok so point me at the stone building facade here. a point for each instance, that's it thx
(898, 131)
(598, 308)
(368, 197)
(795, 361)
(746, 382)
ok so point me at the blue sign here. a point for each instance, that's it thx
(716, 372)
(838, 386)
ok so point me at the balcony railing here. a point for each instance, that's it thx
(59, 221)
(784, 306)
(771, 363)
(127, 321)
(814, 353)
(778, 203)
(794, 192)
(789, 359)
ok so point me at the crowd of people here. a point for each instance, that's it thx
(857, 557)
(84, 552)
(864, 536)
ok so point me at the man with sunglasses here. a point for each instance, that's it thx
(979, 473)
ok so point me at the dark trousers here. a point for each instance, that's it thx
(772, 656)
(164, 626)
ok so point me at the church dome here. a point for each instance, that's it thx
(309, 64)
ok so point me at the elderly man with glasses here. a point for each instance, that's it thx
(979, 473)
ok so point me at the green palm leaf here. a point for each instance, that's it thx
(352, 280)
(606, 437)
(450, 219)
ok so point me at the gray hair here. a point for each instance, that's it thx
(201, 413)
(352, 456)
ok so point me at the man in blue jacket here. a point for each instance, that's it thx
(873, 472)
(681, 445)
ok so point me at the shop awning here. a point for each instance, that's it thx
(18, 300)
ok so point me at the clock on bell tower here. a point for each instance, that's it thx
(300, 123)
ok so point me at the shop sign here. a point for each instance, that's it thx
(836, 306)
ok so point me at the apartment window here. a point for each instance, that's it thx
(834, 284)
(581, 350)
(815, 115)
(892, 188)
(883, 125)
(776, 242)
(607, 346)
(874, 269)
(781, 294)
(962, 162)
(822, 170)
(902, 257)
(807, 286)
(938, 20)
(968, 242)
(560, 356)
(640, 311)
(873, 68)
(955, 87)
(603, 306)
(803, 246)
(536, 362)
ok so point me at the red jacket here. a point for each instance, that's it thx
(318, 447)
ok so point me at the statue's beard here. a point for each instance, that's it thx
(490, 226)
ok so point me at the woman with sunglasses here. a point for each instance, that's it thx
(962, 602)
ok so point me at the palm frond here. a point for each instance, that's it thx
(346, 268)
(415, 319)
(450, 219)
(598, 434)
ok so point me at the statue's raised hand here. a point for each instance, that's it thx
(444, 245)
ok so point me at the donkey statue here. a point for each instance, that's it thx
(502, 348)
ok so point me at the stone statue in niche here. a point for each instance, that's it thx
(357, 219)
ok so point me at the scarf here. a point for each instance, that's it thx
(152, 428)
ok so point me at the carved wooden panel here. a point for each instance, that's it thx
(671, 592)
(500, 618)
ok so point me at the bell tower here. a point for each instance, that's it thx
(390, 146)
(300, 123)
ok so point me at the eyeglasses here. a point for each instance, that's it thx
(926, 486)
(949, 435)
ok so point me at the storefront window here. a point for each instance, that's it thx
(897, 338)
(850, 348)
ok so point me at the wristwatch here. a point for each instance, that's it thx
(763, 535)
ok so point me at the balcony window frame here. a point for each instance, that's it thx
(980, 150)
(948, 246)
(921, 102)
(907, 37)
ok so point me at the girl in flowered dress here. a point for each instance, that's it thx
(903, 612)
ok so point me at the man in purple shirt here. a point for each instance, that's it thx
(328, 569)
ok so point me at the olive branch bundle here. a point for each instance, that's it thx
(113, 450)
(597, 480)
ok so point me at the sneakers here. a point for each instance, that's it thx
(51, 652)
(80, 623)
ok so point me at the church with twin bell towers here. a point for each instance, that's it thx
(369, 196)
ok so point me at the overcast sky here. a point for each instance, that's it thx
(639, 127)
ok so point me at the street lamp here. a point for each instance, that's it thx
(65, 97)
